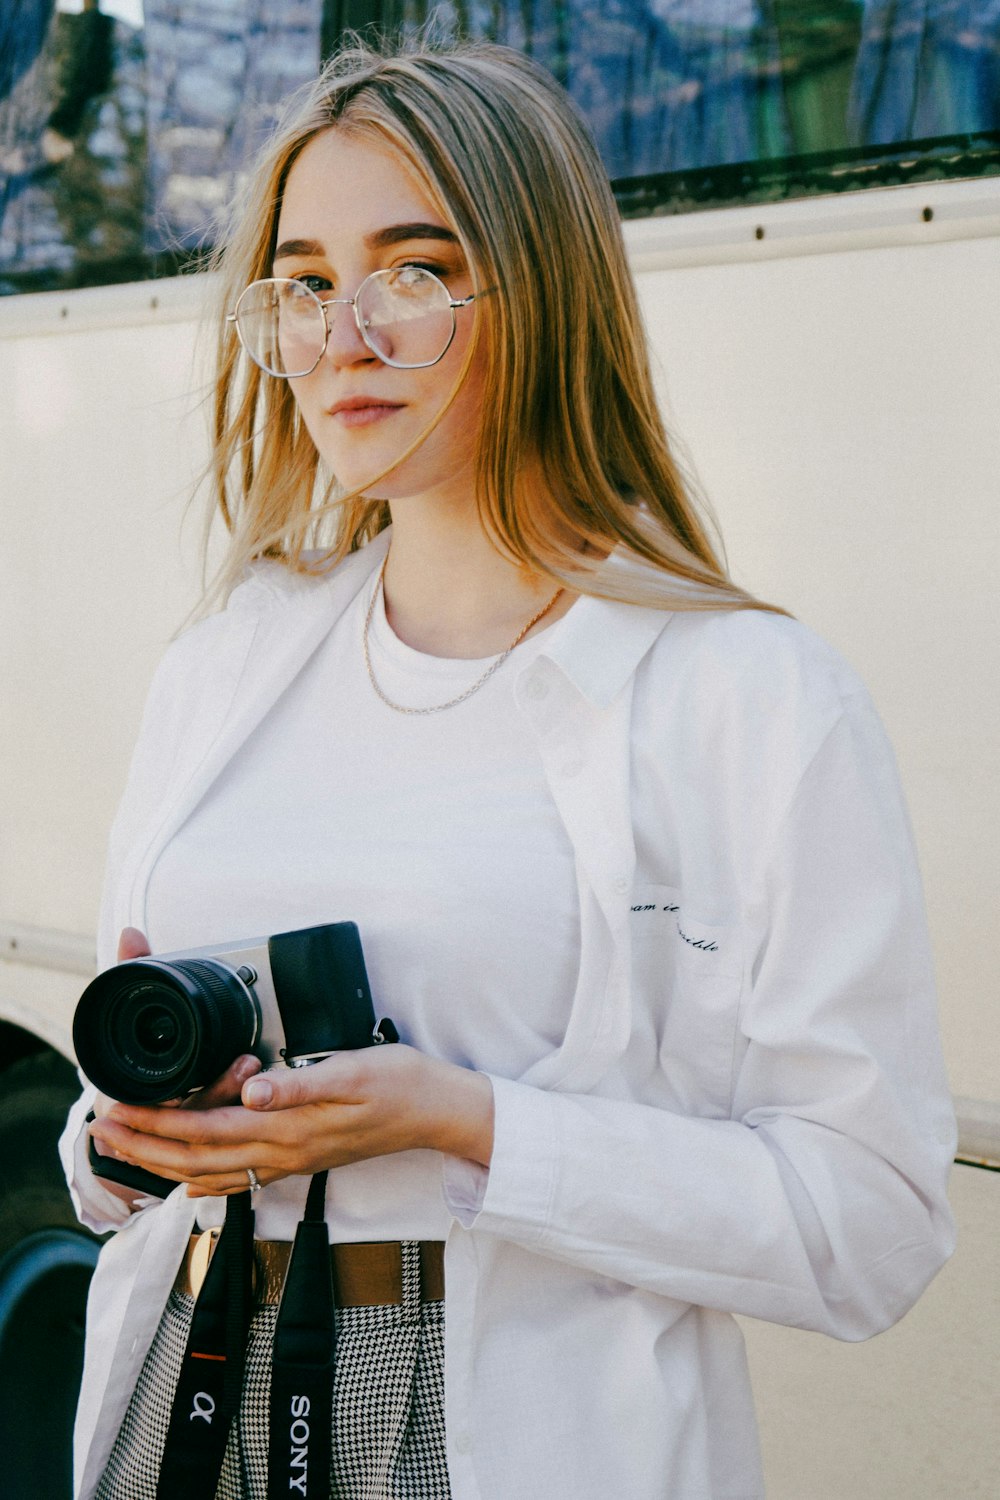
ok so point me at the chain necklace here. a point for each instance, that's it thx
(494, 665)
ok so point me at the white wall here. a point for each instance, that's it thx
(100, 442)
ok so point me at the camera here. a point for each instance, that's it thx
(157, 1028)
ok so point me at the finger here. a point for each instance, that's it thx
(226, 1184)
(226, 1089)
(132, 1158)
(208, 1127)
(223, 1190)
(335, 1079)
(132, 944)
(180, 1160)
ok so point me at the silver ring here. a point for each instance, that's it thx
(255, 1182)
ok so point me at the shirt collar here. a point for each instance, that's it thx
(599, 643)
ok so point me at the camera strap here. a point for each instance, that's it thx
(300, 1439)
(211, 1379)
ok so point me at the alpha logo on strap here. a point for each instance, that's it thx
(204, 1407)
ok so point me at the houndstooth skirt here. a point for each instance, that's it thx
(388, 1404)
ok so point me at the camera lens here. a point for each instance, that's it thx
(153, 1029)
(149, 1029)
(156, 1030)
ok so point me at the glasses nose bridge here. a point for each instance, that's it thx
(326, 302)
(351, 302)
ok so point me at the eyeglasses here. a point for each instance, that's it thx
(406, 317)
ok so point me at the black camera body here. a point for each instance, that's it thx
(158, 1028)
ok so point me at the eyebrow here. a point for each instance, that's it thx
(379, 239)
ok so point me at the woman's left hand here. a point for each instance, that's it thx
(292, 1121)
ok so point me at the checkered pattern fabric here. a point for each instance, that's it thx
(388, 1404)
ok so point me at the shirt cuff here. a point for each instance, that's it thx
(96, 1207)
(515, 1191)
(464, 1184)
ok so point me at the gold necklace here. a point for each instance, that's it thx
(436, 708)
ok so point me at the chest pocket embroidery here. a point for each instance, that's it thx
(688, 979)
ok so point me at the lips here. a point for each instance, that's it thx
(356, 403)
(357, 411)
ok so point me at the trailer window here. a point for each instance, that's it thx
(123, 122)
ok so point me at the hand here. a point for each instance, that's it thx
(292, 1121)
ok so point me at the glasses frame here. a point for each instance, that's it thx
(323, 303)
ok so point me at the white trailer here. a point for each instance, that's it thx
(832, 368)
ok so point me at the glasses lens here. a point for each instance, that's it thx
(281, 325)
(407, 316)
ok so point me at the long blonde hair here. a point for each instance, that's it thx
(575, 477)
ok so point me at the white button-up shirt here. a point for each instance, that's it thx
(748, 1110)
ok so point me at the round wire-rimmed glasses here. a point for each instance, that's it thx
(406, 316)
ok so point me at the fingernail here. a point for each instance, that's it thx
(258, 1094)
(247, 1067)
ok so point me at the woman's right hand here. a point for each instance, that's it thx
(225, 1090)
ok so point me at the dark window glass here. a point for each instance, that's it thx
(123, 122)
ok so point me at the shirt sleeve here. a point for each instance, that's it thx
(96, 1206)
(821, 1203)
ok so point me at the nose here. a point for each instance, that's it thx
(345, 346)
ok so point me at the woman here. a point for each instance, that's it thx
(626, 849)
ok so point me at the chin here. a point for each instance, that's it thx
(364, 482)
(396, 484)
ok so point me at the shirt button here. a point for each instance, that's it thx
(536, 689)
(621, 884)
(463, 1443)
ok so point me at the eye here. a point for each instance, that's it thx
(441, 272)
(314, 282)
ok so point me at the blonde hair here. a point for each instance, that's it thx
(575, 477)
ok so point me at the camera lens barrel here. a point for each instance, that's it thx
(154, 1029)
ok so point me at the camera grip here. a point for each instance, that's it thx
(323, 992)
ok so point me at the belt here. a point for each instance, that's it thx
(364, 1275)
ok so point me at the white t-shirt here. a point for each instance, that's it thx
(436, 834)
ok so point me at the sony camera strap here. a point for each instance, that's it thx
(211, 1379)
(300, 1439)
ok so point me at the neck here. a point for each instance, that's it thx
(449, 592)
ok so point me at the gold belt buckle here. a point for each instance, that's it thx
(200, 1258)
